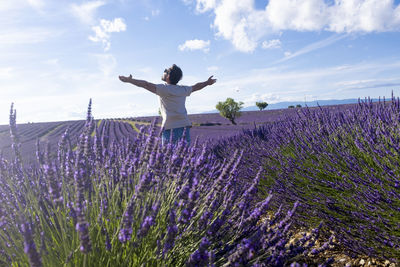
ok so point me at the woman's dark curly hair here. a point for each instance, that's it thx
(175, 74)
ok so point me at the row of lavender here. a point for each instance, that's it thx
(343, 166)
(30, 133)
(136, 203)
(49, 134)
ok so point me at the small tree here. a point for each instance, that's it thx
(261, 105)
(229, 109)
(291, 106)
(298, 106)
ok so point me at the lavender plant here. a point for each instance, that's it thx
(138, 203)
(342, 165)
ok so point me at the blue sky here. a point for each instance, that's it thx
(56, 55)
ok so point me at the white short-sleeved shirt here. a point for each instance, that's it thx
(172, 105)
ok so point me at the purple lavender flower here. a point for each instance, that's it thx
(243, 253)
(185, 215)
(215, 226)
(203, 221)
(72, 213)
(144, 183)
(184, 193)
(43, 249)
(39, 153)
(201, 256)
(61, 151)
(156, 207)
(80, 177)
(194, 195)
(226, 171)
(146, 224)
(16, 145)
(103, 203)
(172, 231)
(82, 227)
(125, 233)
(30, 246)
(50, 171)
(257, 212)
(324, 247)
(247, 198)
(107, 241)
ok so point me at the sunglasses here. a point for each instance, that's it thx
(167, 72)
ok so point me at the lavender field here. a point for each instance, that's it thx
(107, 193)
(206, 127)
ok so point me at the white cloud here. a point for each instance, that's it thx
(154, 13)
(117, 25)
(287, 54)
(195, 44)
(270, 98)
(51, 93)
(355, 82)
(86, 12)
(6, 72)
(305, 15)
(364, 16)
(205, 5)
(396, 19)
(51, 62)
(367, 83)
(337, 82)
(314, 46)
(187, 2)
(24, 36)
(241, 23)
(7, 5)
(212, 68)
(271, 44)
(237, 21)
(145, 70)
(106, 63)
(102, 31)
(37, 3)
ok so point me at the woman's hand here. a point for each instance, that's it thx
(125, 79)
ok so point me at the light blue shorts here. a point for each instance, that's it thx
(177, 133)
